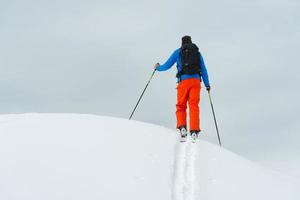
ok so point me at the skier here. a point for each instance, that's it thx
(190, 71)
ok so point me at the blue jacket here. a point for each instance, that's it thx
(175, 57)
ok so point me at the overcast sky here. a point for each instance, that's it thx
(96, 57)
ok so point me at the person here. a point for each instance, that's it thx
(191, 71)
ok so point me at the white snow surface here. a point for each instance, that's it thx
(76, 156)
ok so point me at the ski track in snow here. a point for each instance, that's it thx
(184, 177)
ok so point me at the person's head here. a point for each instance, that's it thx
(186, 40)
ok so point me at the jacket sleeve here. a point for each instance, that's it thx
(169, 63)
(204, 72)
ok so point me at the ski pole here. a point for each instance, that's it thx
(213, 111)
(142, 94)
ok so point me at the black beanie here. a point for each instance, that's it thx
(186, 40)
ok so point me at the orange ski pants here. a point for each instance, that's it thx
(188, 91)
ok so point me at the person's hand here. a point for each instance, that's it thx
(208, 88)
(156, 66)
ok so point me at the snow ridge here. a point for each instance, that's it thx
(184, 169)
(72, 156)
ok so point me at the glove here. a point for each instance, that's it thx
(208, 88)
(156, 66)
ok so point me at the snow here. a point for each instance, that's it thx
(76, 156)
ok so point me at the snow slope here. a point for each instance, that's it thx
(74, 156)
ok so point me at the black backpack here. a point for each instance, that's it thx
(190, 60)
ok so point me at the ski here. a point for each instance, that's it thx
(194, 137)
(183, 135)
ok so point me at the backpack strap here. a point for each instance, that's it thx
(178, 75)
(180, 71)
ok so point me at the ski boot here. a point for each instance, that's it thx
(183, 133)
(194, 135)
